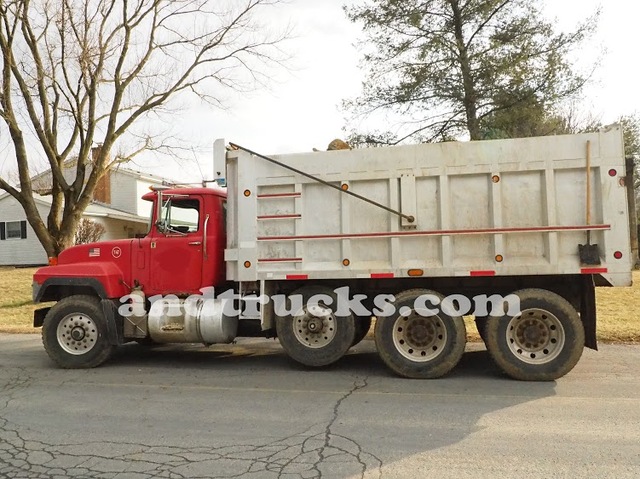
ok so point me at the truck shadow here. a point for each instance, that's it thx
(267, 355)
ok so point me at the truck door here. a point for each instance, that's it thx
(176, 250)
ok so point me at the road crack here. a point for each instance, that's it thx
(315, 452)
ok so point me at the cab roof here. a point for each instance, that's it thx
(220, 192)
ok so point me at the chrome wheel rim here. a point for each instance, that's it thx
(77, 334)
(314, 326)
(419, 338)
(535, 336)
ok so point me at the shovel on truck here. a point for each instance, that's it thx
(589, 254)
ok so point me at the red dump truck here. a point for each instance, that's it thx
(308, 247)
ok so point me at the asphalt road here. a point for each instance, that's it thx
(247, 411)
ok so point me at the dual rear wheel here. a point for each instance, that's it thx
(418, 345)
(314, 334)
(541, 343)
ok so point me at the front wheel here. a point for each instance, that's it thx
(313, 334)
(74, 333)
(541, 343)
(416, 344)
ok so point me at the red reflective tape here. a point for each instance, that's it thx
(488, 272)
(297, 276)
(382, 275)
(593, 270)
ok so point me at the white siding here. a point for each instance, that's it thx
(27, 251)
(124, 193)
(127, 188)
(143, 207)
(118, 229)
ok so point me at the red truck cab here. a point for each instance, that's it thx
(182, 253)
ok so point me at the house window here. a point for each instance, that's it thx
(13, 230)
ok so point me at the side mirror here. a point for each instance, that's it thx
(159, 211)
(161, 223)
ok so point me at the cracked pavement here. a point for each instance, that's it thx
(248, 411)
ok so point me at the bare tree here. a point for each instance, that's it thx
(76, 73)
(88, 231)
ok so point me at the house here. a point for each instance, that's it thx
(117, 206)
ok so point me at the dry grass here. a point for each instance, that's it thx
(15, 286)
(16, 309)
(618, 315)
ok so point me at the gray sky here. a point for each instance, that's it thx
(302, 110)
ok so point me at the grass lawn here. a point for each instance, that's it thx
(16, 308)
(618, 316)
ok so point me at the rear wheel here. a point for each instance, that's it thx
(313, 334)
(417, 346)
(542, 343)
(74, 333)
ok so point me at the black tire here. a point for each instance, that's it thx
(363, 325)
(77, 324)
(542, 343)
(434, 348)
(324, 346)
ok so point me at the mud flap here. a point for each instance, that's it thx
(588, 311)
(114, 322)
(38, 316)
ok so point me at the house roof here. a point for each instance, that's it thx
(98, 210)
(95, 210)
(143, 176)
(121, 169)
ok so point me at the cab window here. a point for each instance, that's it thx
(180, 216)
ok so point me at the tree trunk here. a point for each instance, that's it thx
(470, 97)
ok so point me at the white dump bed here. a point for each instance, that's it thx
(485, 208)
